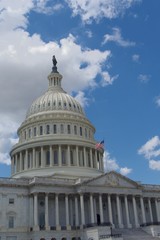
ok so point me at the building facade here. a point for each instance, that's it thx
(58, 189)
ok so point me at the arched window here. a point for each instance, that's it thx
(35, 131)
(64, 238)
(42, 238)
(53, 238)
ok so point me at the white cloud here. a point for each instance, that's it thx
(45, 7)
(150, 150)
(155, 165)
(107, 79)
(117, 38)
(135, 58)
(144, 78)
(95, 10)
(80, 97)
(89, 34)
(158, 101)
(110, 164)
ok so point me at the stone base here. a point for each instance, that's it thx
(58, 228)
(36, 228)
(129, 225)
(68, 227)
(120, 225)
(47, 228)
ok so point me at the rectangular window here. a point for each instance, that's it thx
(64, 157)
(69, 129)
(47, 129)
(80, 131)
(11, 200)
(35, 131)
(54, 128)
(41, 130)
(55, 157)
(48, 158)
(75, 130)
(29, 133)
(11, 222)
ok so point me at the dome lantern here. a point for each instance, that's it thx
(54, 77)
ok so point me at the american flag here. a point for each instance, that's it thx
(100, 145)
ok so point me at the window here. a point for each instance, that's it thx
(47, 158)
(47, 129)
(54, 128)
(80, 131)
(39, 158)
(55, 155)
(75, 130)
(71, 156)
(85, 132)
(35, 131)
(41, 130)
(29, 133)
(11, 222)
(69, 129)
(25, 135)
(62, 128)
(11, 200)
(63, 157)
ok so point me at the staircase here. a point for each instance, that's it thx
(134, 234)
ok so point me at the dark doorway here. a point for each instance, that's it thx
(98, 219)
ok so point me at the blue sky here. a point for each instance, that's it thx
(108, 53)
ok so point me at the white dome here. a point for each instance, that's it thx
(54, 100)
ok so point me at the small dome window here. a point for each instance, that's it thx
(49, 104)
(54, 103)
(70, 104)
(59, 103)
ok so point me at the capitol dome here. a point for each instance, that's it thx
(56, 137)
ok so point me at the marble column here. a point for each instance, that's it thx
(135, 212)
(43, 163)
(91, 208)
(34, 157)
(16, 162)
(67, 213)
(127, 212)
(51, 155)
(46, 213)
(59, 155)
(36, 227)
(57, 212)
(20, 161)
(82, 210)
(142, 210)
(76, 211)
(68, 156)
(91, 157)
(110, 210)
(77, 156)
(84, 155)
(26, 160)
(119, 212)
(157, 210)
(101, 208)
(150, 210)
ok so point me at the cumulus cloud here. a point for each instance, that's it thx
(110, 164)
(117, 38)
(157, 101)
(144, 78)
(80, 97)
(135, 58)
(45, 7)
(107, 79)
(150, 150)
(95, 10)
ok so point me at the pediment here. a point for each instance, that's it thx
(113, 179)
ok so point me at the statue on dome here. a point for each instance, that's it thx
(54, 61)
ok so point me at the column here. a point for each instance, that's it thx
(46, 213)
(67, 213)
(157, 210)
(20, 162)
(91, 157)
(101, 208)
(76, 211)
(82, 210)
(135, 212)
(84, 154)
(142, 209)
(36, 227)
(51, 155)
(110, 210)
(59, 155)
(119, 212)
(68, 156)
(77, 156)
(92, 210)
(57, 212)
(42, 158)
(16, 162)
(96, 160)
(150, 210)
(26, 160)
(127, 212)
(34, 157)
